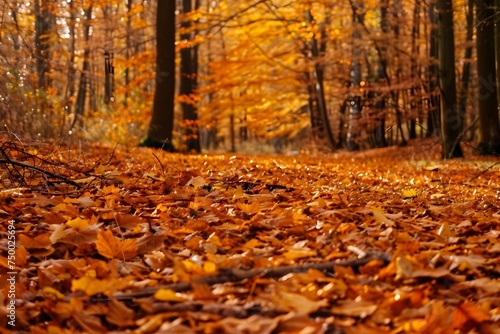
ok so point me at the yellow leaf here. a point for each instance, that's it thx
(410, 193)
(111, 247)
(210, 267)
(168, 295)
(214, 239)
(90, 285)
(49, 291)
(78, 224)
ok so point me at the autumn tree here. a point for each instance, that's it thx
(320, 121)
(463, 94)
(489, 124)
(44, 20)
(81, 95)
(433, 105)
(188, 80)
(162, 121)
(355, 102)
(451, 119)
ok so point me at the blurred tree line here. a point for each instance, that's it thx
(252, 75)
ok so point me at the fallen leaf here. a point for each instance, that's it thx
(111, 247)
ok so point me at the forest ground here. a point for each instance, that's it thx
(131, 239)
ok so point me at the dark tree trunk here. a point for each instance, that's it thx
(109, 79)
(320, 121)
(189, 73)
(495, 145)
(162, 121)
(451, 121)
(379, 130)
(488, 104)
(433, 120)
(464, 89)
(415, 106)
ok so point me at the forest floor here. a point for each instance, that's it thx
(101, 239)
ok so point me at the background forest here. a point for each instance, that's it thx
(260, 75)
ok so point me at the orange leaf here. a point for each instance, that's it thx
(111, 247)
(469, 312)
(40, 241)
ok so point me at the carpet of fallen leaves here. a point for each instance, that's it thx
(143, 241)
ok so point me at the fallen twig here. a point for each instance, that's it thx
(484, 171)
(235, 275)
(40, 170)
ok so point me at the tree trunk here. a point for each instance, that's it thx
(415, 73)
(188, 85)
(81, 95)
(464, 89)
(496, 146)
(355, 102)
(487, 90)
(109, 80)
(451, 121)
(70, 86)
(320, 121)
(379, 130)
(43, 22)
(162, 121)
(433, 120)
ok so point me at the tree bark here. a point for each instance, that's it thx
(464, 89)
(451, 120)
(162, 121)
(81, 95)
(489, 126)
(320, 122)
(189, 58)
(433, 118)
(355, 101)
(43, 22)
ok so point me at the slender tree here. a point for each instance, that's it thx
(433, 118)
(188, 80)
(162, 122)
(43, 24)
(71, 76)
(464, 88)
(451, 120)
(81, 95)
(355, 103)
(317, 102)
(489, 126)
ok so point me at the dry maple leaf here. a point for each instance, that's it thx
(76, 231)
(113, 248)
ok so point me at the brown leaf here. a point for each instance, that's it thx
(119, 314)
(361, 309)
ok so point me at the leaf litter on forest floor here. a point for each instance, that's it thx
(155, 242)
